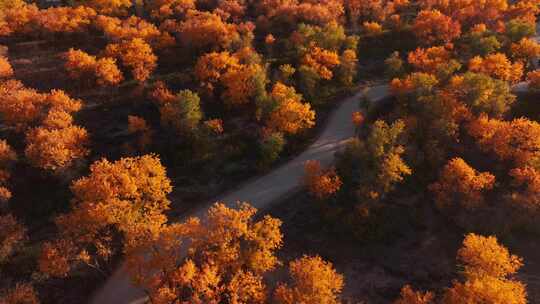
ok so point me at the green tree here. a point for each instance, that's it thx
(183, 113)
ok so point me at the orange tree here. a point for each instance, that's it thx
(221, 257)
(312, 281)
(135, 55)
(118, 201)
(488, 276)
(489, 268)
(320, 183)
(461, 187)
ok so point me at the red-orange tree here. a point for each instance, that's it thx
(290, 115)
(207, 31)
(320, 183)
(20, 294)
(432, 26)
(488, 276)
(6, 70)
(161, 9)
(517, 141)
(133, 27)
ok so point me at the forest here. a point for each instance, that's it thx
(269, 151)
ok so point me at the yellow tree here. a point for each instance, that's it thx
(432, 26)
(20, 106)
(488, 276)
(313, 280)
(290, 115)
(207, 31)
(488, 267)
(211, 67)
(429, 60)
(123, 199)
(321, 61)
(117, 30)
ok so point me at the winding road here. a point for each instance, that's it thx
(265, 190)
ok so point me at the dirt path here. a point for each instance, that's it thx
(263, 191)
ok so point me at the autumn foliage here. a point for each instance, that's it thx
(135, 55)
(488, 274)
(497, 66)
(290, 115)
(87, 68)
(409, 296)
(432, 26)
(312, 281)
(320, 183)
(222, 257)
(460, 186)
(127, 197)
(5, 68)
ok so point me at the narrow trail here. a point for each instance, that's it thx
(265, 190)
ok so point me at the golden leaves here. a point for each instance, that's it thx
(461, 184)
(431, 26)
(136, 55)
(290, 114)
(313, 281)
